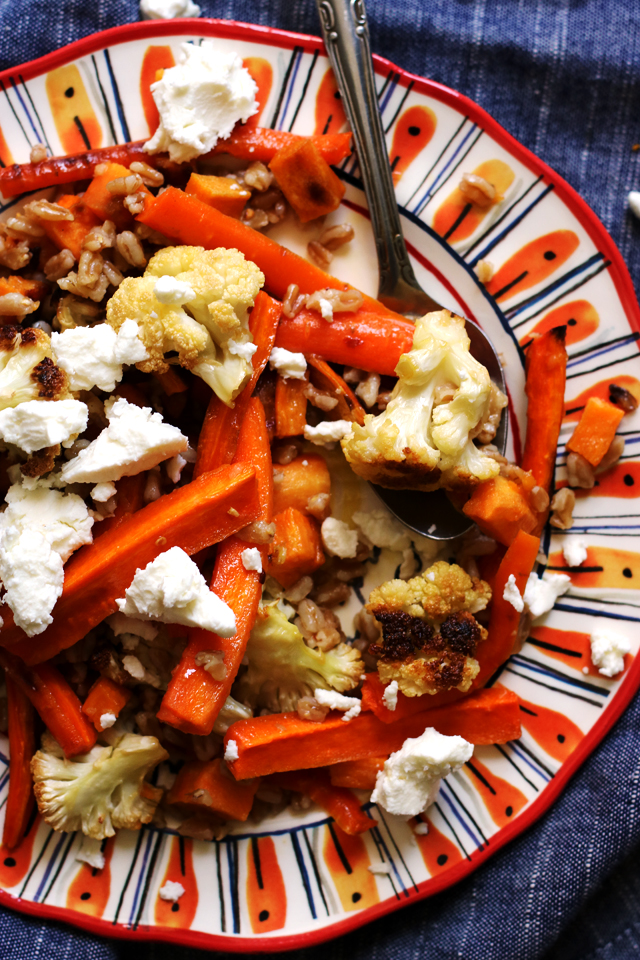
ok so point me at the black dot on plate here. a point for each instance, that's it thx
(69, 92)
(549, 255)
(9, 862)
(509, 811)
(355, 897)
(175, 907)
(572, 322)
(628, 480)
(263, 915)
(85, 896)
(414, 131)
(442, 859)
(561, 738)
(627, 573)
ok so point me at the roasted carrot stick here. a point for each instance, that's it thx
(192, 517)
(129, 499)
(206, 787)
(221, 427)
(194, 698)
(296, 549)
(596, 429)
(339, 802)
(356, 774)
(291, 406)
(189, 220)
(55, 702)
(105, 697)
(373, 699)
(261, 143)
(365, 339)
(282, 741)
(325, 378)
(22, 746)
(295, 483)
(546, 376)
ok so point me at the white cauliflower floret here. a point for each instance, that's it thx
(282, 668)
(207, 330)
(100, 791)
(27, 371)
(424, 438)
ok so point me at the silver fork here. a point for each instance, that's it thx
(346, 36)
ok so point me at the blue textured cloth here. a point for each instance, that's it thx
(563, 76)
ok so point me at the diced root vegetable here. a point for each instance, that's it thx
(223, 193)
(595, 430)
(307, 180)
(296, 482)
(296, 549)
(71, 233)
(207, 787)
(105, 697)
(501, 508)
(106, 205)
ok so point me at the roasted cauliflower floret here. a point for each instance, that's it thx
(27, 371)
(424, 438)
(100, 791)
(429, 633)
(207, 326)
(282, 668)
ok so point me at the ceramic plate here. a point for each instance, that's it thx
(296, 880)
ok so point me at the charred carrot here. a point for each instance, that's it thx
(295, 483)
(22, 746)
(208, 787)
(291, 406)
(54, 700)
(261, 143)
(296, 549)
(194, 698)
(503, 625)
(105, 697)
(189, 220)
(356, 774)
(280, 742)
(596, 429)
(307, 181)
(221, 427)
(325, 378)
(339, 802)
(501, 507)
(546, 367)
(192, 517)
(365, 339)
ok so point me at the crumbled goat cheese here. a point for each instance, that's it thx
(91, 852)
(231, 751)
(121, 625)
(172, 589)
(244, 350)
(174, 468)
(512, 595)
(326, 309)
(252, 559)
(421, 828)
(338, 538)
(288, 364)
(337, 701)
(171, 290)
(103, 492)
(608, 650)
(172, 890)
(133, 667)
(382, 529)
(540, 594)
(390, 695)
(380, 869)
(39, 529)
(575, 552)
(107, 720)
(410, 779)
(168, 9)
(327, 431)
(136, 439)
(634, 203)
(200, 100)
(93, 356)
(35, 424)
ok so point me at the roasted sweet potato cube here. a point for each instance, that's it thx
(307, 180)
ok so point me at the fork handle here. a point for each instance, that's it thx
(346, 36)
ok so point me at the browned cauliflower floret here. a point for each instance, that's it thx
(206, 326)
(27, 371)
(429, 633)
(442, 400)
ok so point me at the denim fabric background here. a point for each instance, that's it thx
(563, 76)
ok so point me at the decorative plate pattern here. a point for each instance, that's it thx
(295, 880)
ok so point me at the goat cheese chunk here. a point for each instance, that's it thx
(541, 593)
(337, 701)
(231, 751)
(390, 695)
(410, 779)
(91, 852)
(575, 552)
(136, 439)
(200, 100)
(93, 356)
(168, 9)
(172, 589)
(103, 492)
(512, 595)
(338, 538)
(608, 650)
(327, 431)
(244, 350)
(172, 890)
(170, 290)
(288, 364)
(35, 424)
(127, 625)
(252, 559)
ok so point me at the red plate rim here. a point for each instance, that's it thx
(232, 29)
